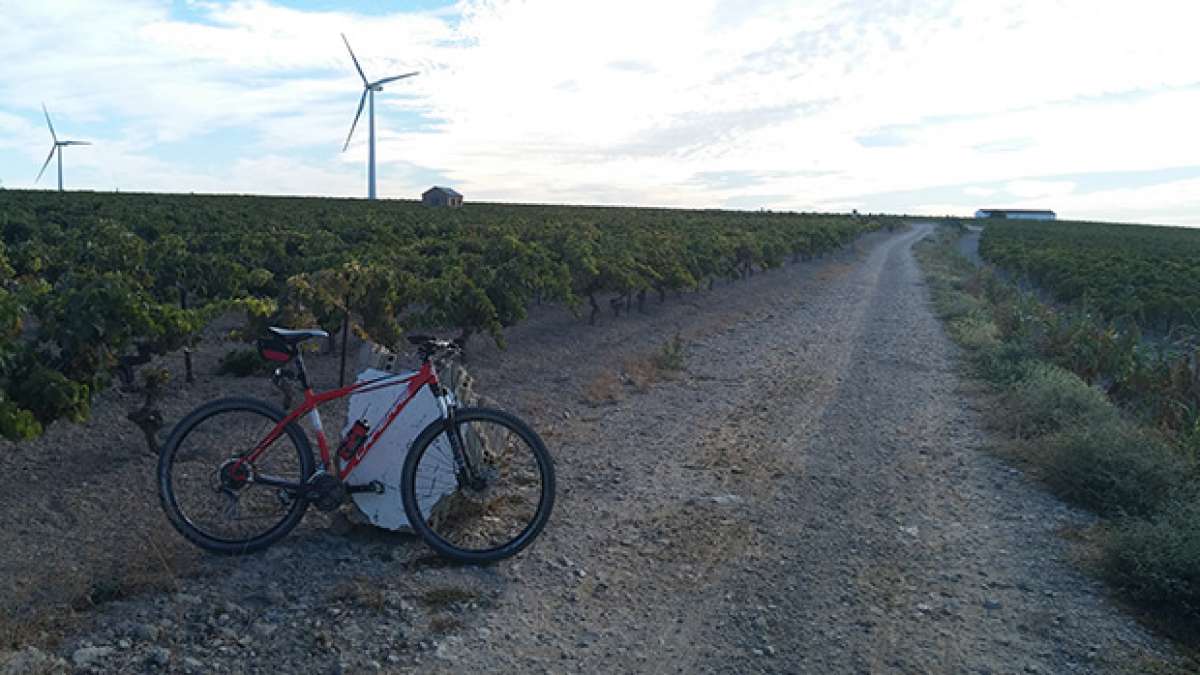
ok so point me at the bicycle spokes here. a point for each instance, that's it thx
(216, 491)
(231, 507)
(492, 498)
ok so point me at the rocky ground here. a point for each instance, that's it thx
(807, 494)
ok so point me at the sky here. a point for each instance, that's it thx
(1087, 107)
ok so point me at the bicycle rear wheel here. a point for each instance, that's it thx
(222, 509)
(498, 514)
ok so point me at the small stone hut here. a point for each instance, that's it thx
(441, 196)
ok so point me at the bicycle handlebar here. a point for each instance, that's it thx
(428, 346)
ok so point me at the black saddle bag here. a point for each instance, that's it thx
(275, 349)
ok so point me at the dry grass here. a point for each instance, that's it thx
(47, 625)
(638, 372)
(447, 596)
(604, 389)
(362, 592)
(738, 449)
(1086, 545)
(700, 535)
(44, 629)
(155, 566)
(834, 271)
(442, 624)
(641, 373)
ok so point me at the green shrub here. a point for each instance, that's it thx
(1049, 399)
(939, 278)
(1113, 468)
(973, 331)
(17, 424)
(1004, 363)
(955, 304)
(243, 363)
(670, 356)
(1157, 560)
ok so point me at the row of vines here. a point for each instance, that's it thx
(1149, 274)
(94, 285)
(1126, 315)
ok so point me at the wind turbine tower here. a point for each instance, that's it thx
(56, 148)
(369, 89)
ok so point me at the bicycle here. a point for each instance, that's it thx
(477, 484)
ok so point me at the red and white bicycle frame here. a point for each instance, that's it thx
(426, 376)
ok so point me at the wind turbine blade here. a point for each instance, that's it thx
(361, 102)
(393, 79)
(75, 143)
(352, 56)
(48, 158)
(49, 123)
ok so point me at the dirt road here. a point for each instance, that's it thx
(811, 497)
(808, 494)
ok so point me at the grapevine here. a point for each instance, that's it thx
(97, 285)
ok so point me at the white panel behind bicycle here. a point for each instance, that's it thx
(385, 461)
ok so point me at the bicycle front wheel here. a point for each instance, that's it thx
(493, 502)
(215, 503)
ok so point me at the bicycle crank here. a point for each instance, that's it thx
(325, 491)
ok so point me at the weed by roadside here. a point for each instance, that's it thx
(640, 373)
(670, 356)
(1112, 467)
(1048, 399)
(1154, 559)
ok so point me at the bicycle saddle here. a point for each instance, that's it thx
(295, 337)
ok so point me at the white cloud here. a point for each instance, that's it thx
(617, 102)
(1172, 203)
(1034, 189)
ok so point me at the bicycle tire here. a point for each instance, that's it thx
(417, 519)
(177, 441)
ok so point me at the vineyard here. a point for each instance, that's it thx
(1126, 311)
(95, 285)
(1149, 274)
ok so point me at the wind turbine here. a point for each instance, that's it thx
(369, 89)
(57, 147)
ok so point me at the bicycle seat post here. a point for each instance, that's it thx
(301, 373)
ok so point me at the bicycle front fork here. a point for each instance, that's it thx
(464, 469)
